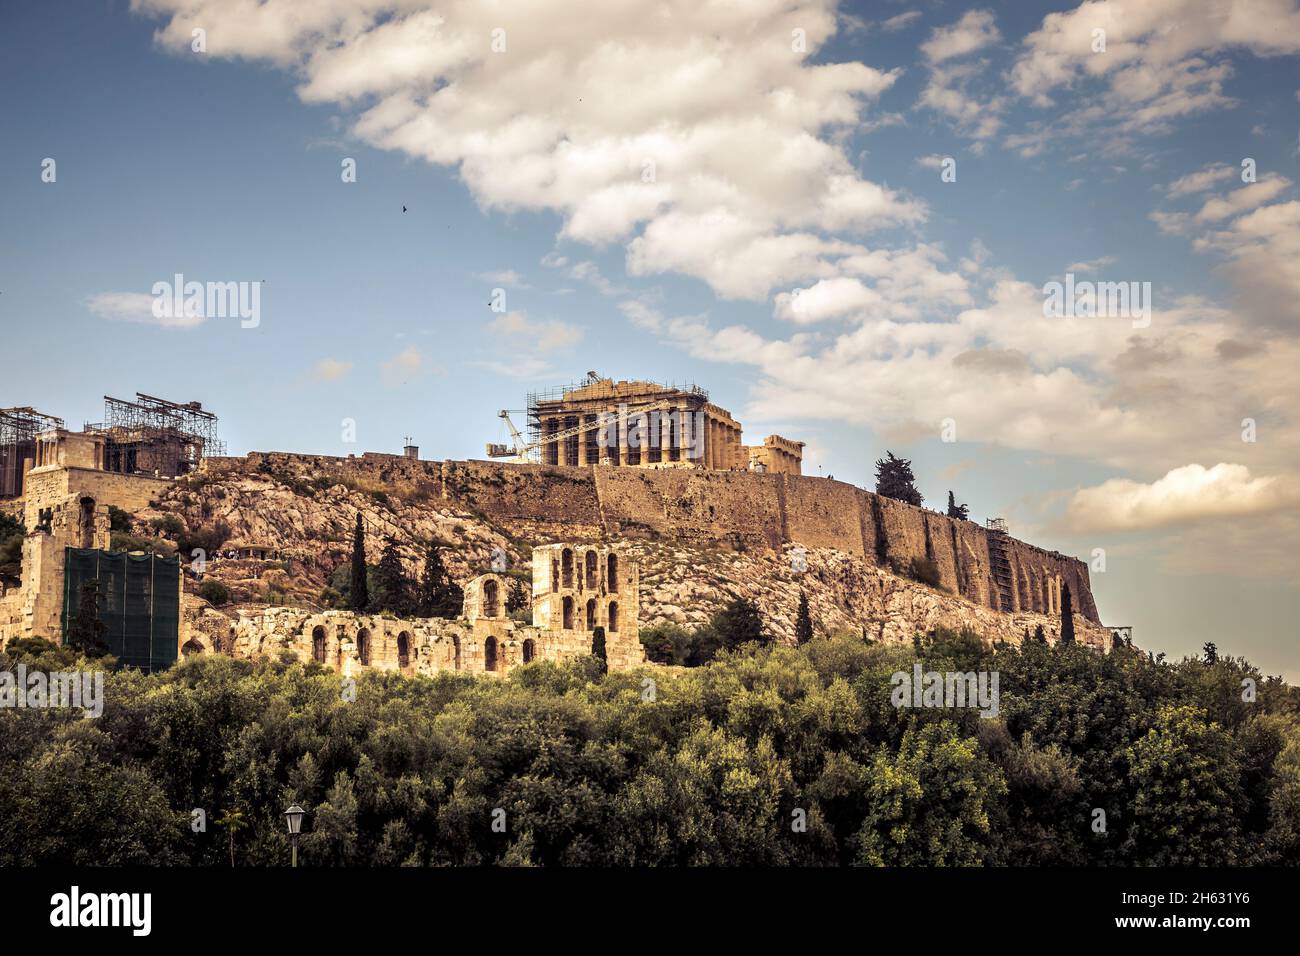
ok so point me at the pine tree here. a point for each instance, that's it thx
(739, 623)
(957, 511)
(803, 627)
(598, 648)
(392, 586)
(894, 479)
(1211, 652)
(516, 599)
(1067, 616)
(359, 595)
(439, 595)
(86, 633)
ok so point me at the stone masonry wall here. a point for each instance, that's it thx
(742, 509)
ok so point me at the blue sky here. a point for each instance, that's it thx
(775, 169)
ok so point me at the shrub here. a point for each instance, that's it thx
(214, 592)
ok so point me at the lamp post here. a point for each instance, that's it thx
(294, 815)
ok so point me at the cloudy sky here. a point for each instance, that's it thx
(838, 218)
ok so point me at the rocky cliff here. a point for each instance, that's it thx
(701, 538)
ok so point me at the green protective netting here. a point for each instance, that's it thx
(139, 603)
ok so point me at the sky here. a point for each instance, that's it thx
(841, 220)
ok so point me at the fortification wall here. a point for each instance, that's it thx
(712, 507)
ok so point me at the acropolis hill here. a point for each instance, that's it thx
(603, 544)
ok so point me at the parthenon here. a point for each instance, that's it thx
(646, 424)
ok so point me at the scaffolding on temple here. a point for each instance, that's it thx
(548, 400)
(18, 430)
(152, 436)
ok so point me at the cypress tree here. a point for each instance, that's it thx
(516, 600)
(1067, 616)
(359, 594)
(1039, 636)
(598, 649)
(439, 596)
(803, 628)
(894, 479)
(957, 511)
(392, 586)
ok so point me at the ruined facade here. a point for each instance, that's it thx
(776, 456)
(647, 425)
(484, 640)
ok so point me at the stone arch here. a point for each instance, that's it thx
(318, 644)
(567, 607)
(190, 648)
(566, 568)
(613, 616)
(611, 573)
(363, 646)
(530, 650)
(593, 575)
(491, 599)
(591, 614)
(490, 654)
(404, 650)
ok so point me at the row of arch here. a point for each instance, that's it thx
(589, 577)
(568, 606)
(491, 649)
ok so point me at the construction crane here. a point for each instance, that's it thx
(521, 452)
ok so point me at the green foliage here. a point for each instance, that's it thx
(121, 541)
(894, 479)
(516, 599)
(214, 592)
(709, 772)
(439, 595)
(11, 547)
(393, 589)
(957, 511)
(598, 648)
(1067, 616)
(803, 625)
(359, 589)
(206, 538)
(119, 520)
(925, 571)
(667, 643)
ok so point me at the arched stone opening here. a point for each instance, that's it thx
(404, 650)
(567, 608)
(566, 568)
(591, 614)
(613, 616)
(490, 654)
(363, 646)
(491, 599)
(611, 573)
(191, 648)
(87, 522)
(530, 650)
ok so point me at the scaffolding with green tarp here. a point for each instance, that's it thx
(139, 603)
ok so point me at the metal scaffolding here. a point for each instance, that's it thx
(545, 401)
(18, 430)
(152, 436)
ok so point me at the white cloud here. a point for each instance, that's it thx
(1240, 200)
(1183, 496)
(137, 307)
(564, 120)
(518, 333)
(329, 370)
(1200, 180)
(974, 31)
(904, 20)
(1090, 265)
(402, 367)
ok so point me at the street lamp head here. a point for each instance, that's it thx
(294, 815)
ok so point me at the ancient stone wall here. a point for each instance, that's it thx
(730, 509)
